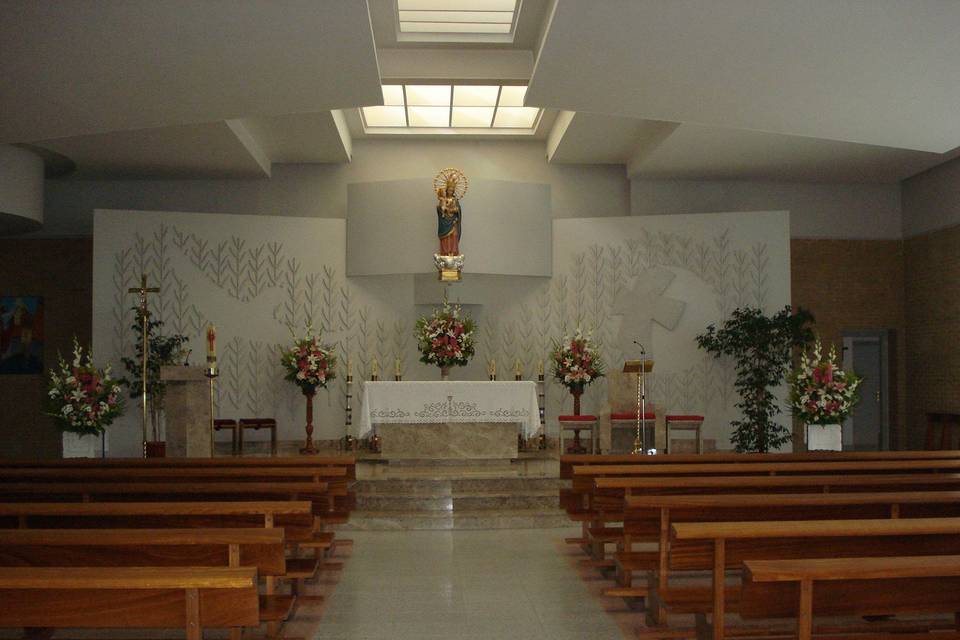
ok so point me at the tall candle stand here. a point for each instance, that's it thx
(347, 438)
(211, 372)
(542, 401)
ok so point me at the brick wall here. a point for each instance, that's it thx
(852, 285)
(61, 271)
(932, 268)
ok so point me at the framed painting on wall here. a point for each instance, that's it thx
(21, 334)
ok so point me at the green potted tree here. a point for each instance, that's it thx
(163, 350)
(762, 347)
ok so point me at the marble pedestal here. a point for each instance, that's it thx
(445, 440)
(187, 412)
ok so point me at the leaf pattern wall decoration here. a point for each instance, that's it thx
(224, 277)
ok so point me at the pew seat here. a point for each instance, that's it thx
(849, 587)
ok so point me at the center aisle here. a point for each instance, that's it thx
(421, 585)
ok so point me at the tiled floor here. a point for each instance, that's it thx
(424, 585)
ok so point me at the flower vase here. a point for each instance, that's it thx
(308, 447)
(80, 445)
(444, 373)
(824, 437)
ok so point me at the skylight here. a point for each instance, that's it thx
(457, 16)
(452, 106)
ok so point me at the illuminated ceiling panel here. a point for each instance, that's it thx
(457, 16)
(457, 108)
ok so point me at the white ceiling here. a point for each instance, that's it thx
(881, 72)
(75, 67)
(838, 91)
(211, 150)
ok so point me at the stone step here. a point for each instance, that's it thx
(455, 486)
(361, 520)
(458, 502)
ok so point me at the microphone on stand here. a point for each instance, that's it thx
(642, 349)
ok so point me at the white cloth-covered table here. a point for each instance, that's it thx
(433, 402)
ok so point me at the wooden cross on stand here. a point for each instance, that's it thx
(142, 292)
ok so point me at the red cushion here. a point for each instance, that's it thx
(684, 418)
(632, 416)
(577, 418)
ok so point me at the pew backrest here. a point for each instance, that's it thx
(129, 597)
(260, 548)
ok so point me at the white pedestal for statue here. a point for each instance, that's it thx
(186, 408)
(824, 437)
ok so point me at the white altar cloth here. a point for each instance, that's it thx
(433, 402)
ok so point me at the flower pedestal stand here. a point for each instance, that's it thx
(308, 447)
(824, 437)
(576, 423)
(444, 373)
(80, 446)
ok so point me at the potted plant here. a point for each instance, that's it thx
(761, 347)
(576, 364)
(310, 365)
(162, 350)
(822, 396)
(84, 400)
(445, 338)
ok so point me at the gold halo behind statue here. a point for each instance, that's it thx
(455, 176)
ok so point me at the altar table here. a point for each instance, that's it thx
(450, 402)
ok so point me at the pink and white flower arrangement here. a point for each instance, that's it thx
(446, 337)
(576, 360)
(821, 392)
(309, 363)
(84, 399)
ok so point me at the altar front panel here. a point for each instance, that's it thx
(449, 403)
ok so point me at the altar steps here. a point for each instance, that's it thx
(457, 503)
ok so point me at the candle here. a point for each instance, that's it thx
(374, 368)
(540, 368)
(211, 343)
(516, 368)
(396, 367)
(349, 367)
(493, 367)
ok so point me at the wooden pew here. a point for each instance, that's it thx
(851, 587)
(346, 461)
(568, 461)
(295, 518)
(606, 502)
(584, 477)
(649, 518)
(262, 549)
(719, 546)
(315, 493)
(173, 474)
(126, 597)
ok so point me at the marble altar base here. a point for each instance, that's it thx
(445, 440)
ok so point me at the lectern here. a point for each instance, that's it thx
(641, 367)
(187, 409)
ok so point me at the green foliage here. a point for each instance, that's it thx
(761, 347)
(162, 351)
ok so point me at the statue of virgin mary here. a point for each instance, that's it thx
(451, 185)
